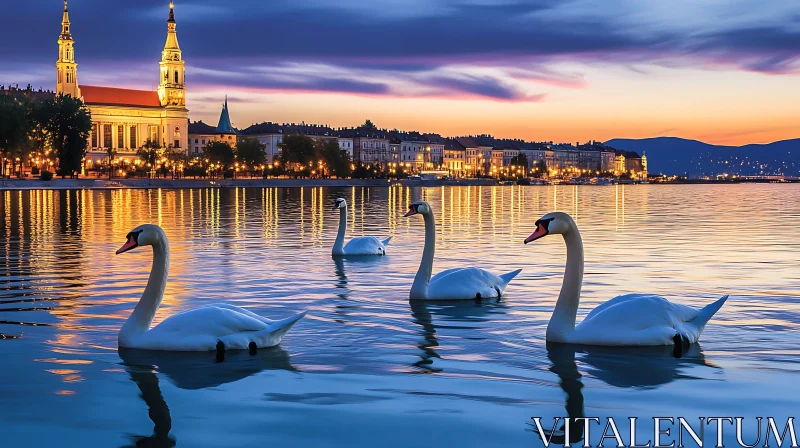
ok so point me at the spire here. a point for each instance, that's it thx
(172, 35)
(225, 126)
(65, 23)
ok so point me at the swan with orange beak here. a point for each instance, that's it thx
(452, 284)
(213, 327)
(631, 319)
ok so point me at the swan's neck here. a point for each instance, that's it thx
(419, 290)
(145, 310)
(562, 323)
(338, 246)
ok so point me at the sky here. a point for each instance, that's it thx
(721, 71)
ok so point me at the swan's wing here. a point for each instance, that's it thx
(365, 245)
(464, 283)
(642, 308)
(208, 321)
(634, 319)
(245, 311)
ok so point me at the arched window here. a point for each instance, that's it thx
(177, 134)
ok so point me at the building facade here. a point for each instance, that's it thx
(201, 134)
(123, 120)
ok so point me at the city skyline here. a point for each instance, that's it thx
(577, 71)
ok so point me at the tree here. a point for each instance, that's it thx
(520, 160)
(298, 149)
(219, 152)
(149, 152)
(250, 152)
(335, 158)
(177, 159)
(369, 126)
(67, 131)
(14, 129)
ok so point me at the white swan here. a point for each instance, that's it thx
(365, 245)
(452, 284)
(632, 319)
(212, 327)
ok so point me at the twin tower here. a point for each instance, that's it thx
(172, 84)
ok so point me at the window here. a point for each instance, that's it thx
(120, 137)
(177, 137)
(154, 134)
(176, 77)
(94, 135)
(203, 142)
(195, 141)
(134, 141)
(106, 136)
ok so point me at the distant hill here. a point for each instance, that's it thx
(672, 155)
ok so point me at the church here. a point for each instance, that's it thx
(124, 119)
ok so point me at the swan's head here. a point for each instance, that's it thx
(144, 235)
(418, 207)
(339, 203)
(552, 223)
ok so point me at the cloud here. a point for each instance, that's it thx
(505, 50)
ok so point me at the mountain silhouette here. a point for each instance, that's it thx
(678, 156)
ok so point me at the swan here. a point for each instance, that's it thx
(365, 245)
(452, 284)
(212, 327)
(627, 320)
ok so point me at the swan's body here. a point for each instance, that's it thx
(199, 329)
(452, 284)
(632, 319)
(365, 245)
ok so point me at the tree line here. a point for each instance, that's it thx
(54, 129)
(302, 153)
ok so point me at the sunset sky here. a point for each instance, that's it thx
(725, 72)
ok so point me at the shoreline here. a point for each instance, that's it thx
(181, 184)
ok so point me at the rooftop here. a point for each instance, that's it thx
(111, 96)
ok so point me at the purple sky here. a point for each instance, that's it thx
(411, 53)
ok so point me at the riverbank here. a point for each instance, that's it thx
(113, 184)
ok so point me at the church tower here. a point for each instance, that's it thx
(67, 76)
(172, 87)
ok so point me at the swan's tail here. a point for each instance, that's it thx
(510, 276)
(272, 335)
(386, 241)
(705, 314)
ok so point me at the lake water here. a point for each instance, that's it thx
(366, 366)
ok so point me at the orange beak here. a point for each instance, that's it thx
(540, 232)
(130, 244)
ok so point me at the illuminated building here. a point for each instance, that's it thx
(201, 134)
(124, 119)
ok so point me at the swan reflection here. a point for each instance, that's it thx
(623, 367)
(457, 317)
(191, 371)
(369, 266)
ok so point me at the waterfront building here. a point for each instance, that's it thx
(346, 144)
(421, 152)
(201, 134)
(370, 146)
(455, 156)
(436, 143)
(124, 119)
(631, 163)
(565, 157)
(271, 135)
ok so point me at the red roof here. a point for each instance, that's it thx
(120, 97)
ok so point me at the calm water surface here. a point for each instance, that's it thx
(366, 365)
